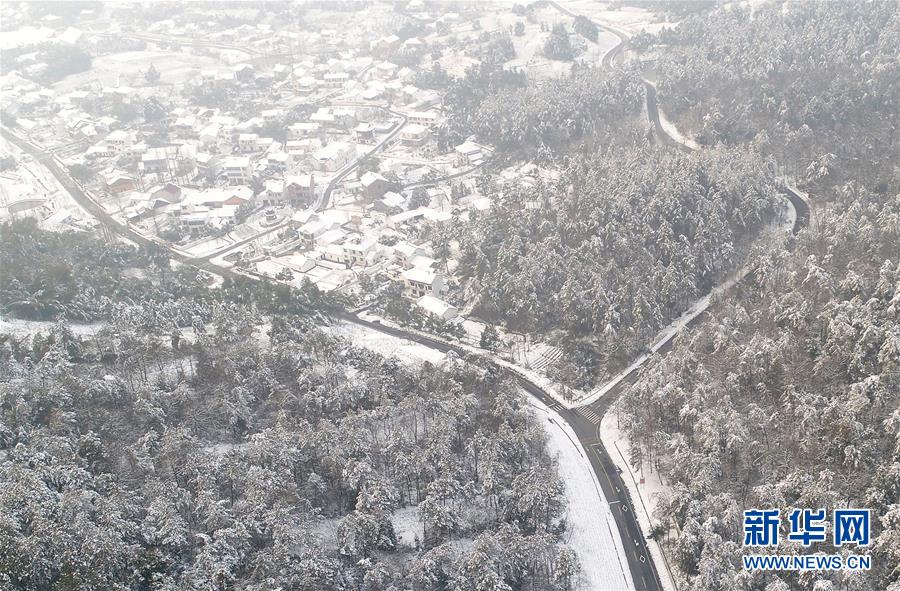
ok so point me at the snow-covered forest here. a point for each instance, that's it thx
(788, 395)
(446, 296)
(622, 244)
(257, 451)
(74, 276)
(812, 83)
(540, 118)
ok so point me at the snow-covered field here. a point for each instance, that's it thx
(127, 68)
(408, 526)
(406, 351)
(672, 130)
(530, 46)
(24, 328)
(645, 494)
(456, 63)
(206, 246)
(631, 19)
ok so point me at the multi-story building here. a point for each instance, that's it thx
(237, 169)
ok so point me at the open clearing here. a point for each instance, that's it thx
(127, 69)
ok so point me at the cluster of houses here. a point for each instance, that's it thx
(206, 170)
(333, 248)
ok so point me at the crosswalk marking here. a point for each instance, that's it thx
(548, 356)
(589, 414)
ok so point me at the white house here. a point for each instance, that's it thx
(420, 281)
(426, 118)
(118, 140)
(404, 253)
(414, 135)
(237, 169)
(302, 129)
(437, 307)
(469, 153)
(335, 79)
(248, 142)
(299, 189)
(334, 156)
(357, 252)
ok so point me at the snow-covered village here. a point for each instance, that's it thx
(439, 295)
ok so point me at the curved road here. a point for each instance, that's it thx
(610, 56)
(583, 420)
(637, 556)
(643, 571)
(588, 429)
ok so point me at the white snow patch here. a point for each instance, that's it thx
(405, 350)
(631, 19)
(220, 449)
(408, 526)
(673, 132)
(24, 328)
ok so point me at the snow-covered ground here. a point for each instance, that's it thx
(590, 528)
(631, 19)
(644, 488)
(206, 246)
(456, 63)
(128, 67)
(387, 345)
(545, 383)
(606, 41)
(673, 132)
(33, 181)
(24, 328)
(530, 354)
(408, 526)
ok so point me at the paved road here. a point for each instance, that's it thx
(342, 174)
(799, 203)
(584, 420)
(615, 52)
(88, 204)
(640, 564)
